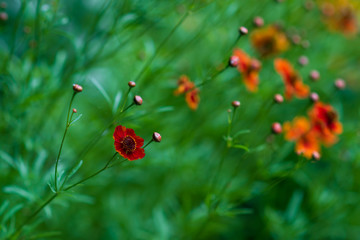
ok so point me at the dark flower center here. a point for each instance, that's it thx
(128, 144)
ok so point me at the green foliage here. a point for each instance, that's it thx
(212, 176)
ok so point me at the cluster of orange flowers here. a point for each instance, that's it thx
(340, 15)
(322, 127)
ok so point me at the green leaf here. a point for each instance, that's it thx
(19, 191)
(12, 212)
(165, 109)
(241, 132)
(76, 119)
(116, 102)
(101, 90)
(241, 147)
(75, 169)
(7, 158)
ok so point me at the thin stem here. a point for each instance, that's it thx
(125, 100)
(92, 175)
(148, 143)
(13, 35)
(18, 231)
(63, 139)
(161, 45)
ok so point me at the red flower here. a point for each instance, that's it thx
(127, 144)
(292, 80)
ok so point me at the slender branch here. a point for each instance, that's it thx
(34, 214)
(161, 45)
(92, 175)
(63, 139)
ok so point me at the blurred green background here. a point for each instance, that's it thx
(177, 191)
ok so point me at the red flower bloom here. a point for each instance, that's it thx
(249, 68)
(292, 80)
(127, 144)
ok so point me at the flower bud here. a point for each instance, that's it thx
(243, 31)
(234, 61)
(255, 64)
(314, 75)
(77, 88)
(278, 98)
(156, 137)
(131, 84)
(296, 39)
(305, 44)
(74, 110)
(235, 104)
(4, 16)
(303, 60)
(258, 21)
(316, 156)
(314, 97)
(138, 100)
(340, 84)
(276, 128)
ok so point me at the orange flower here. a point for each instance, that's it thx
(249, 68)
(292, 80)
(300, 130)
(127, 144)
(307, 144)
(325, 123)
(192, 97)
(184, 85)
(340, 16)
(269, 41)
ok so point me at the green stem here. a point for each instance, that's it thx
(148, 143)
(161, 45)
(63, 139)
(19, 229)
(92, 175)
(125, 100)
(13, 36)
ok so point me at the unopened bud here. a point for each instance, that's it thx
(305, 44)
(4, 16)
(234, 61)
(314, 75)
(156, 137)
(303, 60)
(340, 84)
(296, 39)
(258, 21)
(74, 110)
(314, 97)
(235, 104)
(276, 128)
(316, 156)
(138, 100)
(131, 84)
(77, 88)
(255, 64)
(243, 31)
(278, 98)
